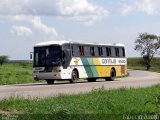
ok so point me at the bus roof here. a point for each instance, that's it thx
(52, 43)
(61, 42)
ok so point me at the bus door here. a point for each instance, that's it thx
(66, 55)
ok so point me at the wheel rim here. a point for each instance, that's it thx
(74, 76)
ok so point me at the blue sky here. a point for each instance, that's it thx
(24, 23)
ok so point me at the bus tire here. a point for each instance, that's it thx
(112, 75)
(50, 82)
(74, 76)
(91, 79)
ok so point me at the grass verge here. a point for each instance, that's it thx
(17, 72)
(138, 64)
(98, 104)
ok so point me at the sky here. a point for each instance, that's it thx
(23, 23)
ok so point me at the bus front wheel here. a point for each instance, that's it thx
(50, 82)
(74, 76)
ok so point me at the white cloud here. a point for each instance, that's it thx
(148, 6)
(79, 7)
(21, 31)
(37, 23)
(125, 7)
(81, 10)
(78, 10)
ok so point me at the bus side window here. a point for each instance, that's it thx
(81, 50)
(123, 52)
(96, 51)
(117, 52)
(100, 51)
(104, 51)
(113, 52)
(75, 51)
(92, 51)
(108, 50)
(87, 52)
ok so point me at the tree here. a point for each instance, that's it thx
(148, 45)
(3, 59)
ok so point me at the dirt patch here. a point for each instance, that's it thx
(8, 112)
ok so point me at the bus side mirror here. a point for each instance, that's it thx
(31, 55)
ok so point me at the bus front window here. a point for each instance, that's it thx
(39, 56)
(47, 56)
(53, 55)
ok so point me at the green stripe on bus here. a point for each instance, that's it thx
(89, 67)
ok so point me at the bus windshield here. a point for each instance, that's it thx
(47, 56)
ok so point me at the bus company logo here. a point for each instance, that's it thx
(108, 61)
(76, 61)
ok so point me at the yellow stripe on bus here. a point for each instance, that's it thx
(100, 69)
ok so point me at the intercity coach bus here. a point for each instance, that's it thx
(65, 60)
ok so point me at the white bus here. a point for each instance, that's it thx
(65, 60)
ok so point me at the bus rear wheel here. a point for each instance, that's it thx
(112, 75)
(74, 76)
(50, 82)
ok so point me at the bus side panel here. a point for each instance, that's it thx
(66, 73)
(94, 67)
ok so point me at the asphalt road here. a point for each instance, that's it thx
(40, 90)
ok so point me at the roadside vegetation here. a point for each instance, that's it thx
(3, 59)
(16, 72)
(98, 104)
(148, 45)
(139, 64)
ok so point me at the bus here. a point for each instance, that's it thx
(66, 60)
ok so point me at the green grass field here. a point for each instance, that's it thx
(96, 104)
(16, 72)
(137, 64)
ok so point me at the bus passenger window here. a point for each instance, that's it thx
(108, 50)
(96, 51)
(81, 48)
(117, 52)
(104, 51)
(100, 51)
(123, 52)
(92, 51)
(87, 52)
(113, 52)
(75, 51)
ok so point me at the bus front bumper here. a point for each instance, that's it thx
(46, 76)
